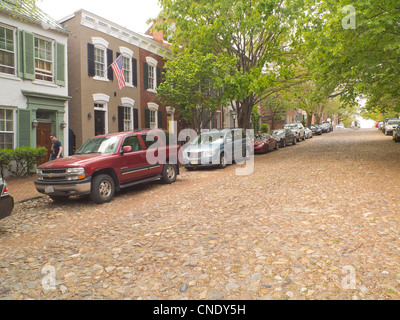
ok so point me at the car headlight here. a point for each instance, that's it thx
(75, 173)
(39, 171)
(76, 170)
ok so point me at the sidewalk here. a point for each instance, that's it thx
(23, 188)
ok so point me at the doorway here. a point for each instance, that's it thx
(99, 122)
(43, 132)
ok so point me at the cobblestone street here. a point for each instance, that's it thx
(318, 220)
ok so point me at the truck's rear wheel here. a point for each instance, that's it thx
(103, 188)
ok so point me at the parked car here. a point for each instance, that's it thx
(308, 133)
(380, 125)
(316, 129)
(107, 163)
(264, 143)
(324, 128)
(217, 148)
(6, 201)
(297, 129)
(328, 125)
(390, 126)
(396, 134)
(284, 137)
(339, 126)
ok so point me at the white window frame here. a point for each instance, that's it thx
(128, 54)
(14, 124)
(152, 63)
(51, 41)
(14, 30)
(128, 103)
(153, 107)
(101, 44)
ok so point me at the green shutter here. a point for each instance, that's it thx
(158, 72)
(159, 114)
(145, 76)
(20, 53)
(146, 118)
(60, 64)
(24, 128)
(29, 55)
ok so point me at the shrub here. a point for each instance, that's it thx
(264, 128)
(5, 160)
(25, 159)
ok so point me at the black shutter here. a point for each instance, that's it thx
(110, 74)
(160, 119)
(91, 71)
(134, 72)
(147, 118)
(145, 76)
(120, 119)
(135, 119)
(158, 76)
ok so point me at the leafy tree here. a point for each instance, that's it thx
(256, 34)
(194, 85)
(353, 49)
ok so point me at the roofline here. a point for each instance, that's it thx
(25, 18)
(140, 36)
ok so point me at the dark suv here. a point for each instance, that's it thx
(107, 163)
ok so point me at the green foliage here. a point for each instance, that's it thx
(5, 159)
(349, 54)
(264, 128)
(194, 85)
(254, 36)
(25, 159)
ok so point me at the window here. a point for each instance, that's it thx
(152, 77)
(133, 142)
(99, 62)
(6, 129)
(128, 123)
(7, 51)
(127, 69)
(43, 60)
(153, 119)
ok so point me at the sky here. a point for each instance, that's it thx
(131, 14)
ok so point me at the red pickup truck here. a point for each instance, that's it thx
(107, 163)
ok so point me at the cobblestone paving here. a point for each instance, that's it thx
(319, 220)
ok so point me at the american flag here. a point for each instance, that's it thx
(118, 67)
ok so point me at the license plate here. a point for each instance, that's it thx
(49, 189)
(194, 162)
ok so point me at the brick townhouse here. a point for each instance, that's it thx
(98, 106)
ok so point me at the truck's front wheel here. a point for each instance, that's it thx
(103, 188)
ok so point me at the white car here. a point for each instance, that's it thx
(339, 126)
(390, 126)
(297, 129)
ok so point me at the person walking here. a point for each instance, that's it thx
(56, 148)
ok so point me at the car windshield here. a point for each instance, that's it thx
(291, 126)
(103, 145)
(207, 138)
(394, 122)
(276, 132)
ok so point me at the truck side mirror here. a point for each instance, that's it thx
(126, 149)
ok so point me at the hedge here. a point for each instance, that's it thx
(25, 159)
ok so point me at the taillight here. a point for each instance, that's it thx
(5, 191)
